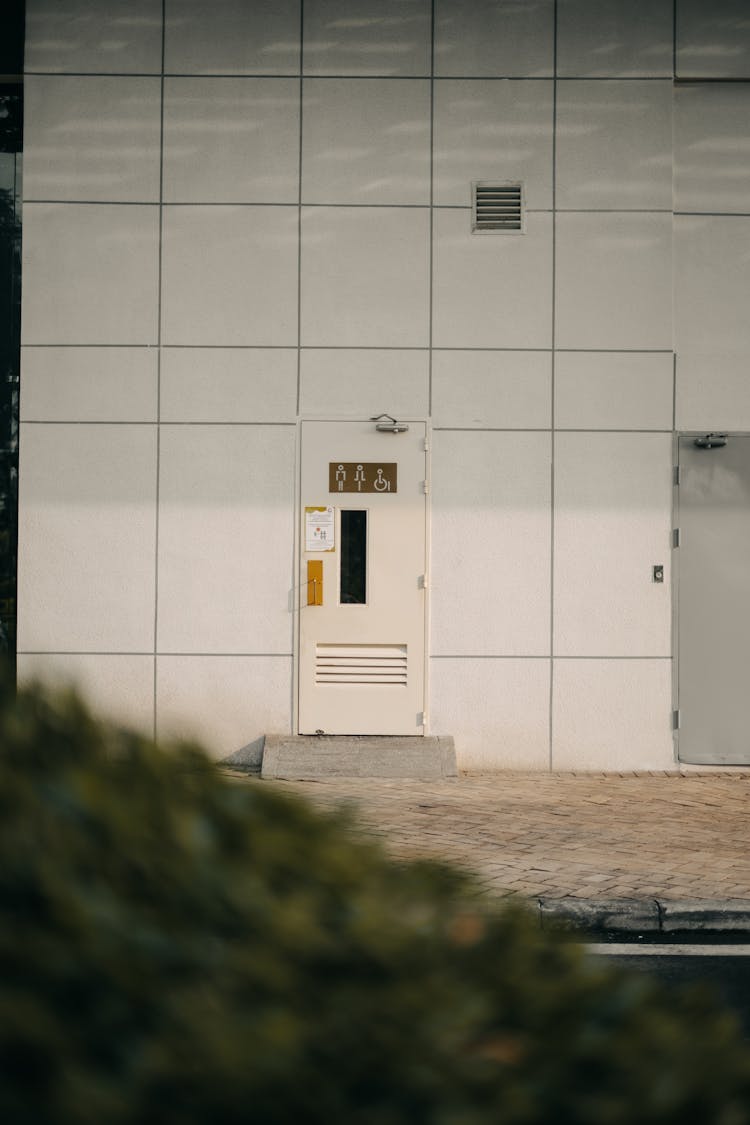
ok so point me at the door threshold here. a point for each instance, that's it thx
(310, 757)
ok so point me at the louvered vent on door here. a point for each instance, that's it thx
(360, 664)
(497, 207)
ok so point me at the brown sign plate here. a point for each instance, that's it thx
(362, 476)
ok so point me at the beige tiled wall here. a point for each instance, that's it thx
(240, 213)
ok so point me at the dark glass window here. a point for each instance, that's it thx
(353, 588)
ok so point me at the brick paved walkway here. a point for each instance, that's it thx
(665, 836)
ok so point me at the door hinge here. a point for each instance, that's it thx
(422, 719)
(677, 474)
(424, 582)
(426, 445)
(425, 487)
(676, 537)
(676, 720)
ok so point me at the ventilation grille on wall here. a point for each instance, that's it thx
(360, 664)
(497, 207)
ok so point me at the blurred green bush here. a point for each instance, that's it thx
(177, 948)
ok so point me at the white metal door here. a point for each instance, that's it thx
(362, 579)
(713, 598)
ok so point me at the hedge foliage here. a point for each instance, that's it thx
(177, 948)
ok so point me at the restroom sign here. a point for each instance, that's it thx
(362, 476)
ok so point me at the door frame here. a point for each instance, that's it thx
(297, 591)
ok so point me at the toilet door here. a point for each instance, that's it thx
(713, 598)
(362, 579)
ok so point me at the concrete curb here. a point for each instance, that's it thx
(644, 916)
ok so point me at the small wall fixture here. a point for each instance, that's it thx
(711, 441)
(391, 426)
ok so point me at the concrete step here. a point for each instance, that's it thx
(309, 757)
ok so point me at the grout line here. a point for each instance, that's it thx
(536, 656)
(299, 204)
(552, 398)
(364, 348)
(431, 252)
(158, 357)
(201, 655)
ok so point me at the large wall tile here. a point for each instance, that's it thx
(611, 715)
(228, 703)
(367, 37)
(491, 389)
(366, 140)
(108, 37)
(120, 688)
(86, 553)
(225, 539)
(88, 384)
(494, 38)
(365, 277)
(497, 711)
(92, 138)
(712, 276)
(614, 145)
(613, 510)
(613, 390)
(232, 37)
(231, 140)
(712, 40)
(364, 382)
(712, 141)
(492, 291)
(90, 274)
(493, 131)
(609, 38)
(490, 570)
(713, 392)
(229, 275)
(228, 385)
(614, 281)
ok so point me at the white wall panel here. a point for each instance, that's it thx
(497, 711)
(613, 390)
(367, 37)
(92, 138)
(712, 40)
(713, 392)
(491, 389)
(712, 276)
(492, 131)
(228, 385)
(490, 570)
(614, 281)
(90, 274)
(494, 38)
(609, 38)
(491, 291)
(614, 145)
(107, 37)
(225, 539)
(229, 276)
(365, 277)
(87, 524)
(232, 37)
(712, 148)
(356, 382)
(226, 702)
(91, 384)
(612, 715)
(366, 140)
(118, 687)
(231, 140)
(613, 507)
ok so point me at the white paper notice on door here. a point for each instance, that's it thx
(320, 532)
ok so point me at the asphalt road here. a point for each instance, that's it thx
(722, 965)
